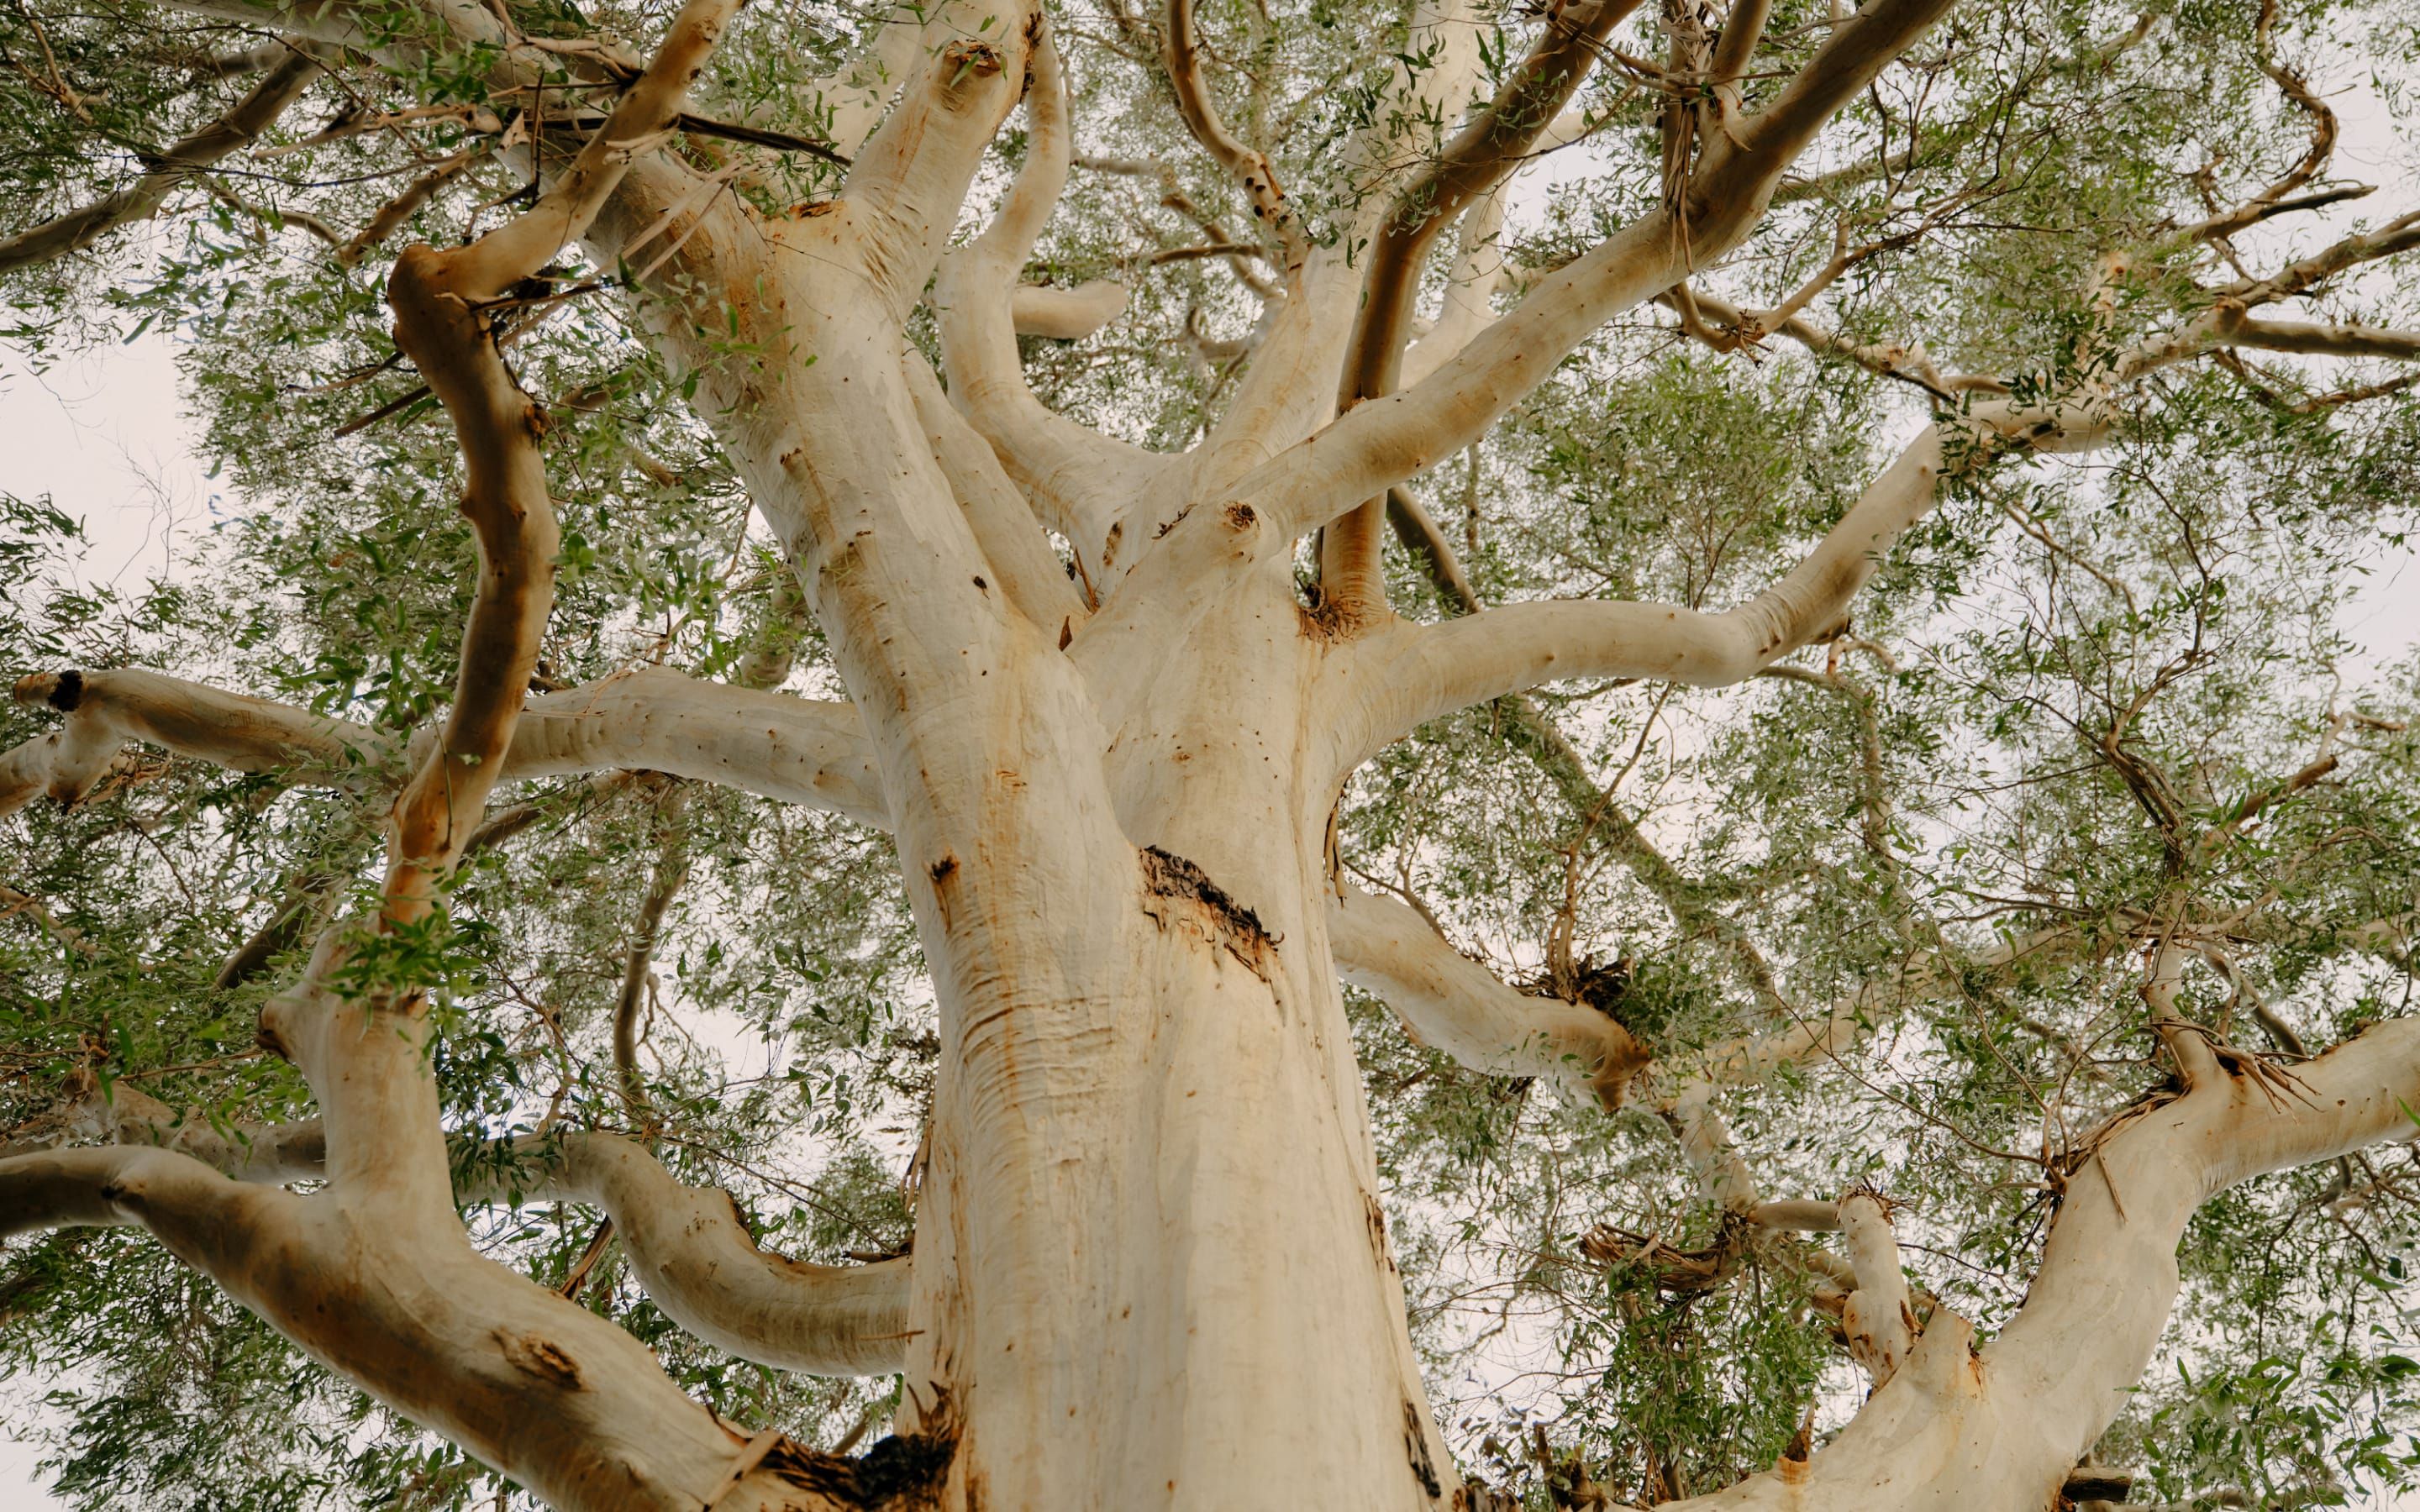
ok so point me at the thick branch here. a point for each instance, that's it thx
(362, 1044)
(1878, 1317)
(856, 94)
(1476, 161)
(1078, 477)
(1249, 165)
(1452, 1003)
(690, 1249)
(1423, 673)
(124, 1114)
(442, 326)
(2015, 1418)
(106, 709)
(2325, 340)
(1002, 520)
(1385, 441)
(556, 1397)
(696, 1258)
(775, 744)
(902, 194)
(1066, 314)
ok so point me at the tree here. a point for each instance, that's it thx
(2019, 863)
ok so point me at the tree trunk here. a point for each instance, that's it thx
(1152, 1267)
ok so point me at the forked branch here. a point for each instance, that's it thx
(1475, 162)
(1181, 54)
(1387, 441)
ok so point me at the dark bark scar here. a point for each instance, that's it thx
(1377, 1216)
(1168, 878)
(905, 1472)
(1416, 1448)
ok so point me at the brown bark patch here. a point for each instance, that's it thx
(1329, 619)
(1797, 1456)
(67, 691)
(2091, 1483)
(978, 58)
(533, 1355)
(1169, 878)
(1669, 1268)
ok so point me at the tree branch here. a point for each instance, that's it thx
(105, 709)
(239, 126)
(699, 1264)
(1248, 166)
(775, 744)
(692, 1251)
(1878, 1317)
(2328, 340)
(362, 1042)
(556, 1397)
(1387, 441)
(1418, 674)
(1066, 314)
(901, 195)
(124, 1114)
(1079, 478)
(1002, 521)
(865, 82)
(1452, 1003)
(1474, 163)
(664, 884)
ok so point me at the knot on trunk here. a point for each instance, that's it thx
(1334, 619)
